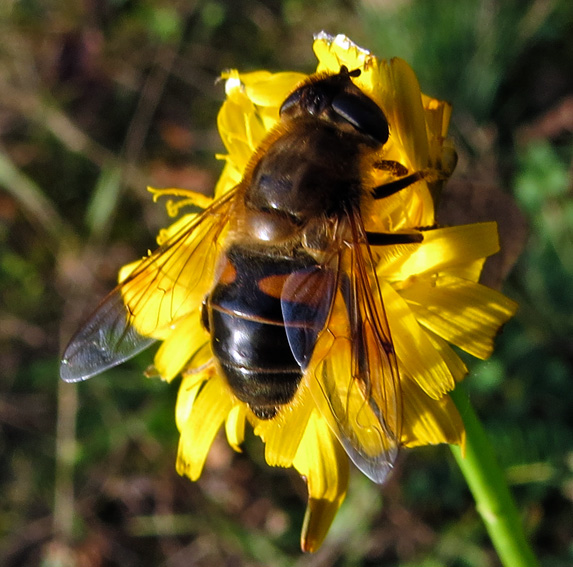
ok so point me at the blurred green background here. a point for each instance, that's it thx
(99, 98)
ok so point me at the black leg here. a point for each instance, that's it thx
(392, 187)
(389, 238)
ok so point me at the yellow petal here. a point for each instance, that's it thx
(188, 389)
(202, 355)
(238, 127)
(415, 352)
(428, 421)
(334, 51)
(240, 131)
(470, 271)
(464, 313)
(323, 462)
(235, 426)
(390, 254)
(272, 89)
(124, 271)
(283, 433)
(178, 226)
(444, 248)
(407, 119)
(187, 337)
(456, 365)
(230, 177)
(210, 407)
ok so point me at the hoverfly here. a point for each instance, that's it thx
(283, 268)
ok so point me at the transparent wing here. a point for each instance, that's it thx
(306, 299)
(105, 340)
(353, 373)
(167, 285)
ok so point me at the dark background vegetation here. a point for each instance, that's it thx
(99, 99)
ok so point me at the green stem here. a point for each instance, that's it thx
(487, 483)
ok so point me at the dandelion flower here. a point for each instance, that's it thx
(428, 291)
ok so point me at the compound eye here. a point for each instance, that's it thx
(364, 114)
